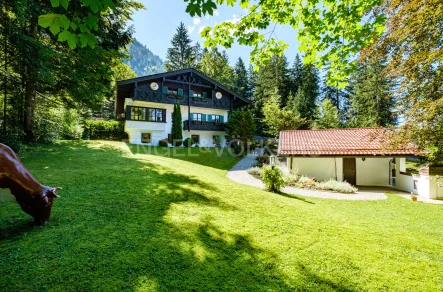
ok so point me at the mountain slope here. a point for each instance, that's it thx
(143, 61)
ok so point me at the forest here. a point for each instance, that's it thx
(60, 60)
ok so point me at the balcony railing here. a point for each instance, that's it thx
(203, 126)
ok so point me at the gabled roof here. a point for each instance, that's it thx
(183, 71)
(339, 142)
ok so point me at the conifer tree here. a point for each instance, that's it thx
(182, 53)
(296, 74)
(308, 92)
(371, 103)
(177, 129)
(241, 78)
(328, 116)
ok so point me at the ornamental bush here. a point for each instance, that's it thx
(163, 143)
(188, 142)
(272, 178)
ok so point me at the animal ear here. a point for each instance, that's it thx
(51, 193)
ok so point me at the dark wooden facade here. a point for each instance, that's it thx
(185, 82)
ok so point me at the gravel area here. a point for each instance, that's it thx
(239, 174)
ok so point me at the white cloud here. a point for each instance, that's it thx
(216, 13)
(191, 29)
(196, 21)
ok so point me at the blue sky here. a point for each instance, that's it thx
(155, 26)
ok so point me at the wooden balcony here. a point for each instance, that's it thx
(203, 126)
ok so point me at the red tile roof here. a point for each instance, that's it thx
(339, 142)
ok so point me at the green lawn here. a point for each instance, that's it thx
(130, 220)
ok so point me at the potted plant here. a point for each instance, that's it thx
(413, 197)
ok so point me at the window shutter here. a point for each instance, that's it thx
(209, 118)
(222, 119)
(191, 116)
(128, 112)
(164, 115)
(180, 91)
(165, 90)
(204, 117)
(205, 95)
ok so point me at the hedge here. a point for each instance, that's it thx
(105, 130)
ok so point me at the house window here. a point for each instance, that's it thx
(195, 138)
(138, 113)
(155, 115)
(146, 137)
(216, 118)
(197, 117)
(197, 94)
(173, 91)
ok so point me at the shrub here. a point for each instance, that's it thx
(255, 172)
(163, 143)
(238, 149)
(336, 186)
(261, 160)
(291, 179)
(188, 142)
(106, 130)
(177, 143)
(273, 179)
(306, 181)
(12, 142)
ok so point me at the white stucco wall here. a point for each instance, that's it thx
(160, 131)
(318, 168)
(373, 171)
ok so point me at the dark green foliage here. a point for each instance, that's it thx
(188, 142)
(143, 61)
(240, 127)
(338, 97)
(177, 126)
(272, 177)
(12, 141)
(371, 103)
(241, 83)
(215, 64)
(296, 74)
(163, 143)
(308, 92)
(182, 54)
(105, 130)
(328, 116)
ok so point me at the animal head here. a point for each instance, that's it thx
(40, 209)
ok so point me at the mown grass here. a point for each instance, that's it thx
(142, 222)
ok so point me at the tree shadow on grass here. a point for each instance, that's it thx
(297, 197)
(126, 224)
(220, 158)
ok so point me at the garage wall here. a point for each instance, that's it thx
(318, 168)
(373, 171)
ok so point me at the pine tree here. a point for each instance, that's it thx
(182, 54)
(307, 95)
(177, 129)
(371, 103)
(241, 82)
(328, 116)
(296, 74)
(252, 81)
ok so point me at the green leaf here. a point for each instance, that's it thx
(72, 41)
(55, 3)
(46, 20)
(64, 3)
(64, 21)
(94, 6)
(55, 27)
(64, 36)
(91, 21)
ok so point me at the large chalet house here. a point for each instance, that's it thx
(148, 103)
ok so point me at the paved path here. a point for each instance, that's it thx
(239, 174)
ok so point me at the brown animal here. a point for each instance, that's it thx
(18, 185)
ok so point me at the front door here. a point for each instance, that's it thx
(349, 170)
